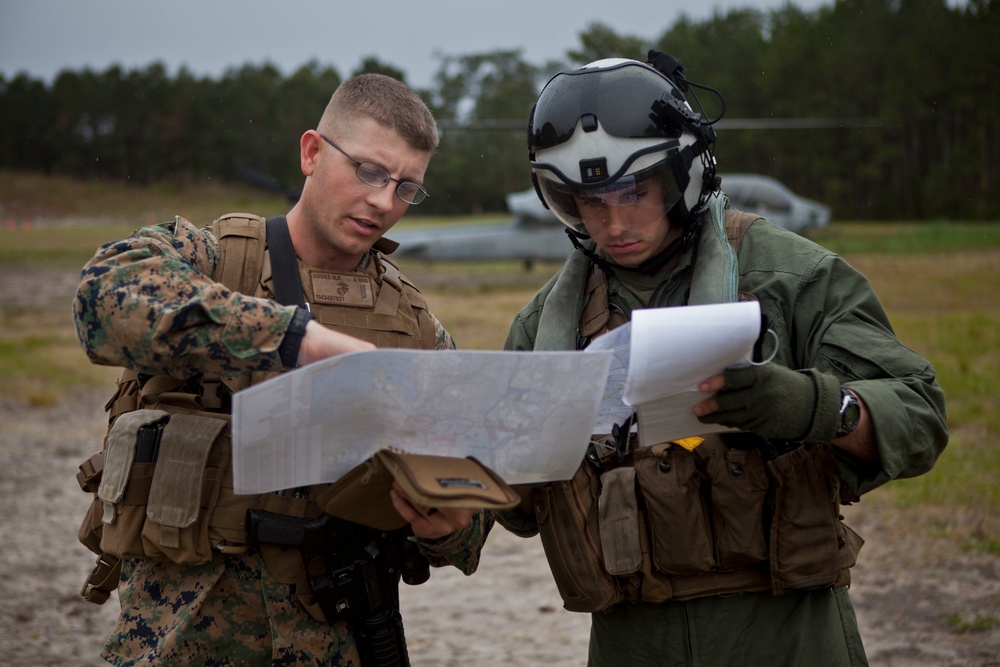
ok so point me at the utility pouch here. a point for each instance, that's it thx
(89, 478)
(619, 519)
(739, 493)
(183, 490)
(804, 526)
(125, 483)
(362, 495)
(567, 516)
(674, 491)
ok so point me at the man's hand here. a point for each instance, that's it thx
(773, 401)
(320, 343)
(430, 522)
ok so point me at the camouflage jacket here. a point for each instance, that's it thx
(151, 303)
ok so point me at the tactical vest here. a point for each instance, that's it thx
(713, 515)
(180, 507)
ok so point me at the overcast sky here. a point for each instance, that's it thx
(42, 37)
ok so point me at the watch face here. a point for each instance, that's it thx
(850, 413)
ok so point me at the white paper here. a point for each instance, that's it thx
(666, 353)
(675, 349)
(526, 415)
(613, 409)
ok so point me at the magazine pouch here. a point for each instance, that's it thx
(675, 491)
(183, 490)
(739, 494)
(125, 484)
(805, 525)
(619, 516)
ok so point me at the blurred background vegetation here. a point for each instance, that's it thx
(888, 109)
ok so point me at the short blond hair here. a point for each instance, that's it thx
(388, 101)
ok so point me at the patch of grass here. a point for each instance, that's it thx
(944, 307)
(895, 238)
(963, 622)
(27, 196)
(963, 344)
(31, 196)
(59, 247)
(478, 321)
(982, 544)
(967, 474)
(41, 364)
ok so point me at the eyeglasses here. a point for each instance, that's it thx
(371, 174)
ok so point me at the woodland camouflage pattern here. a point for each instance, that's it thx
(234, 596)
(222, 601)
(149, 303)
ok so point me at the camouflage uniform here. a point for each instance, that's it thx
(151, 303)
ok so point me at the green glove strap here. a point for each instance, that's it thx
(826, 419)
(777, 402)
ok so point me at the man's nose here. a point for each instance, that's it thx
(384, 198)
(616, 218)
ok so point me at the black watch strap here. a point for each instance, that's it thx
(290, 344)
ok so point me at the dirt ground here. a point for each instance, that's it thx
(919, 596)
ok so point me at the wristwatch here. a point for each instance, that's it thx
(850, 413)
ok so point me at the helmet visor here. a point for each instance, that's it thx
(576, 207)
(626, 99)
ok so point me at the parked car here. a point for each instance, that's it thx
(773, 200)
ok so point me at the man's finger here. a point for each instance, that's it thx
(713, 384)
(706, 407)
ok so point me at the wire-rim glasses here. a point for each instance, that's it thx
(371, 174)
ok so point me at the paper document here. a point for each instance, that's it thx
(660, 358)
(613, 408)
(526, 415)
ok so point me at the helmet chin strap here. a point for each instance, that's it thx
(652, 265)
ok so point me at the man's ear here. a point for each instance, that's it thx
(308, 150)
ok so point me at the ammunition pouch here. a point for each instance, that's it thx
(712, 521)
(160, 487)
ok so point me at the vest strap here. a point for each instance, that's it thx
(284, 269)
(102, 580)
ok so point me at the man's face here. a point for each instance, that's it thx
(340, 217)
(628, 223)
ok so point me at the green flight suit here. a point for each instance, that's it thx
(826, 316)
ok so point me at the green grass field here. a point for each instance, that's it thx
(936, 279)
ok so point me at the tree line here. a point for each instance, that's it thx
(880, 108)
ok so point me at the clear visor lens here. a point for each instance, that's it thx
(620, 193)
(572, 205)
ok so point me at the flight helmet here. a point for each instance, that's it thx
(601, 129)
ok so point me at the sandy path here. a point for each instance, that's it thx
(506, 614)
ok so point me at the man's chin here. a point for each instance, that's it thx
(628, 260)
